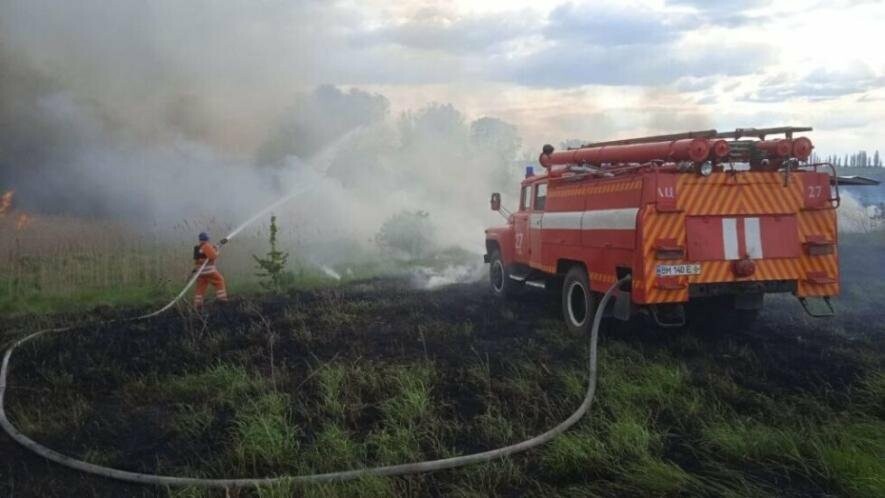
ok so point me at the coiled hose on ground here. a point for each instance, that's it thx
(388, 470)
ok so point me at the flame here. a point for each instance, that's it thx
(23, 221)
(6, 202)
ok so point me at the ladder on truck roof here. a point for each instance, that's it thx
(737, 134)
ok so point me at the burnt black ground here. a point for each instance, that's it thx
(383, 323)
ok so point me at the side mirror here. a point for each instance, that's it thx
(496, 201)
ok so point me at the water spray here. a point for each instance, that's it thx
(346, 475)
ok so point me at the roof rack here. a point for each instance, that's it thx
(760, 133)
(655, 138)
(737, 134)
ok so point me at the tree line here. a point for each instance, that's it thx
(860, 159)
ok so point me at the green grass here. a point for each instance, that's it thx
(70, 414)
(331, 381)
(221, 383)
(333, 449)
(657, 477)
(82, 268)
(394, 445)
(264, 437)
(35, 301)
(188, 492)
(853, 456)
(496, 427)
(412, 406)
(850, 455)
(24, 299)
(282, 489)
(872, 394)
(366, 487)
(627, 439)
(574, 454)
(676, 413)
(193, 421)
(756, 442)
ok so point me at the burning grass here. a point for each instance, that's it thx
(69, 264)
(54, 264)
(374, 373)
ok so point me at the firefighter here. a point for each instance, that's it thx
(209, 274)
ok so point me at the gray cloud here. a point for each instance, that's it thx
(819, 84)
(436, 30)
(610, 25)
(721, 5)
(568, 65)
(694, 84)
(833, 121)
(614, 45)
(725, 13)
(258, 51)
(180, 63)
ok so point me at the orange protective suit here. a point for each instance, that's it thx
(209, 274)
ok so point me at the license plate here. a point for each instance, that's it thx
(678, 270)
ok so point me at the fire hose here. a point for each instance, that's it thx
(388, 470)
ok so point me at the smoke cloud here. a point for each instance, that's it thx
(157, 112)
(161, 112)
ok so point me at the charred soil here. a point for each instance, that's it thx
(376, 373)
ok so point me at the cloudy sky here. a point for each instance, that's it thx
(599, 70)
(557, 70)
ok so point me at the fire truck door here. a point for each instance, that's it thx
(521, 225)
(535, 220)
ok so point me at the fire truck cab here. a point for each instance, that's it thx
(726, 217)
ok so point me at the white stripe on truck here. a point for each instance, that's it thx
(753, 237)
(730, 238)
(535, 220)
(598, 219)
(570, 220)
(610, 219)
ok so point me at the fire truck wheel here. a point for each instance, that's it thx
(500, 283)
(578, 301)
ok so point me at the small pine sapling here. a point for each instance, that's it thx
(271, 266)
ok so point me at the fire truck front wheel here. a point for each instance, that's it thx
(500, 283)
(578, 301)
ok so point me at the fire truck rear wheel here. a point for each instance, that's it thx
(579, 303)
(500, 283)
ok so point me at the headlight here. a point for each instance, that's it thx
(705, 168)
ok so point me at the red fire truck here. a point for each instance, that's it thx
(727, 217)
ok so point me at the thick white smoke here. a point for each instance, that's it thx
(162, 112)
(854, 217)
(158, 112)
(431, 160)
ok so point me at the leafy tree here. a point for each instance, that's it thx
(407, 233)
(319, 118)
(436, 123)
(495, 145)
(271, 266)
